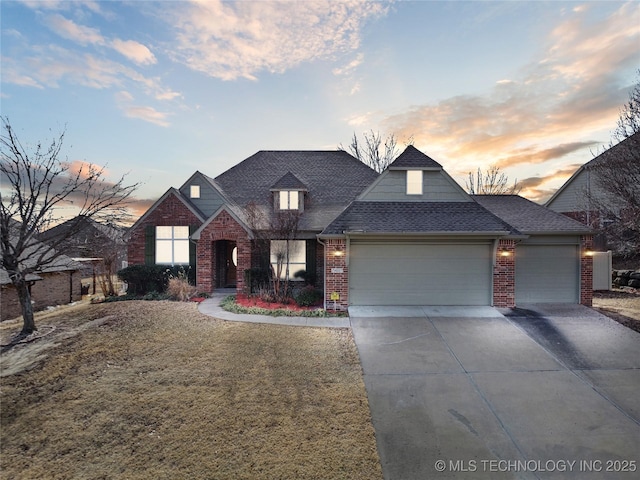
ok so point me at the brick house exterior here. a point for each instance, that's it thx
(408, 235)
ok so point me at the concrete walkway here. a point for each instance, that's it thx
(211, 307)
(547, 392)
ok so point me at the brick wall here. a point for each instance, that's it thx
(223, 227)
(337, 281)
(586, 271)
(504, 274)
(59, 288)
(171, 212)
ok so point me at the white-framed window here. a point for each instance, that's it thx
(194, 191)
(172, 245)
(289, 200)
(297, 257)
(414, 182)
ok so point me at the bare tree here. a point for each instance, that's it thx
(374, 151)
(36, 185)
(491, 182)
(616, 196)
(281, 226)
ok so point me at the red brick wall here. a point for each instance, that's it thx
(171, 212)
(504, 274)
(58, 288)
(337, 282)
(586, 271)
(223, 227)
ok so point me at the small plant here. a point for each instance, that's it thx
(308, 296)
(179, 289)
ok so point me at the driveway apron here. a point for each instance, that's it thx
(536, 392)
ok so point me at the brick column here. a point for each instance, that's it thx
(337, 274)
(504, 275)
(586, 270)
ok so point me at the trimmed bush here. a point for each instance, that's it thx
(308, 296)
(143, 279)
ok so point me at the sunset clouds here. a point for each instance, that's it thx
(531, 87)
(228, 40)
(567, 93)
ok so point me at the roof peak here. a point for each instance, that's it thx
(414, 158)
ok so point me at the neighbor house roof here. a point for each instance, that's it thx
(633, 140)
(414, 158)
(529, 217)
(417, 217)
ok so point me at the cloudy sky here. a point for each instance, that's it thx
(159, 89)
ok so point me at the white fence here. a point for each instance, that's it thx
(602, 268)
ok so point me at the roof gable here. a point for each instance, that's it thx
(211, 198)
(289, 182)
(157, 203)
(412, 158)
(437, 185)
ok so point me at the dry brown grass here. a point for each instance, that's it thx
(161, 391)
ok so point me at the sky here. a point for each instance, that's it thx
(156, 90)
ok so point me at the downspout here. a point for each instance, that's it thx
(324, 273)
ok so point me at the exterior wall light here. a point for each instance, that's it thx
(338, 252)
(589, 252)
(505, 253)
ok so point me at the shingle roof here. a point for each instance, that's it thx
(414, 158)
(529, 217)
(417, 217)
(289, 181)
(333, 180)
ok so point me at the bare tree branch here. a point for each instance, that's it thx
(374, 151)
(491, 182)
(35, 186)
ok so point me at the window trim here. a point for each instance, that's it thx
(173, 239)
(293, 266)
(289, 203)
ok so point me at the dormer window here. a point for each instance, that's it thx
(289, 200)
(194, 191)
(414, 182)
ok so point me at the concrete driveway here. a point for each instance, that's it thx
(536, 392)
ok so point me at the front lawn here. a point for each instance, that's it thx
(156, 390)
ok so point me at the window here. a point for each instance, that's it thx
(194, 191)
(172, 245)
(414, 182)
(289, 200)
(297, 257)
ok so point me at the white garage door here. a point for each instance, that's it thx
(547, 274)
(419, 274)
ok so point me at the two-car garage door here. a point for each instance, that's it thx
(413, 273)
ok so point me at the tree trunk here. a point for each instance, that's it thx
(28, 325)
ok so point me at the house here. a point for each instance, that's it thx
(579, 196)
(58, 283)
(100, 248)
(408, 236)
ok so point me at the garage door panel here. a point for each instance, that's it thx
(547, 274)
(420, 274)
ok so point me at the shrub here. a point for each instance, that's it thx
(308, 296)
(179, 289)
(142, 279)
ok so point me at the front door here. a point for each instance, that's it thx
(226, 264)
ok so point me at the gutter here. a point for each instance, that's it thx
(324, 273)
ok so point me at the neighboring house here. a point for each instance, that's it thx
(408, 236)
(575, 197)
(56, 284)
(100, 248)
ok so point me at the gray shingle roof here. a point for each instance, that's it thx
(529, 217)
(289, 181)
(414, 158)
(416, 217)
(333, 180)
